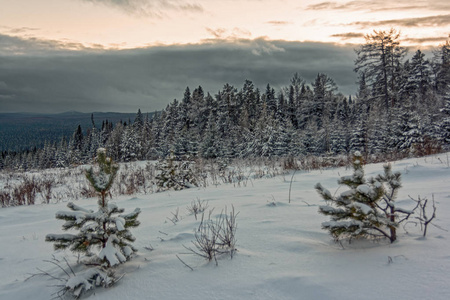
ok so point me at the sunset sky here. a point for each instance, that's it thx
(43, 41)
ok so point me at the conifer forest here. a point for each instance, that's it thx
(402, 108)
(280, 191)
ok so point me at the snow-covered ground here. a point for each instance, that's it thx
(282, 251)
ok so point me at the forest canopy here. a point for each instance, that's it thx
(402, 105)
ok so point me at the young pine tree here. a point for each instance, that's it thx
(368, 208)
(104, 230)
(173, 174)
(354, 212)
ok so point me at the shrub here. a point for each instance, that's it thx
(216, 237)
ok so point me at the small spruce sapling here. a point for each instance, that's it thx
(173, 174)
(103, 230)
(353, 213)
(368, 208)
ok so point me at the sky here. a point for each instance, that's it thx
(124, 55)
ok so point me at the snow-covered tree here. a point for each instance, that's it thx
(408, 130)
(358, 138)
(379, 134)
(76, 146)
(173, 174)
(339, 139)
(130, 146)
(368, 208)
(378, 59)
(441, 68)
(444, 125)
(353, 213)
(103, 230)
(419, 75)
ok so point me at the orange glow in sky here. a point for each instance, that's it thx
(142, 23)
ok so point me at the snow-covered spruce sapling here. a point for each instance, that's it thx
(368, 208)
(173, 174)
(103, 230)
(353, 213)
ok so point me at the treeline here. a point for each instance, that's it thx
(402, 106)
(25, 131)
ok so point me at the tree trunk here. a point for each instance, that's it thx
(392, 228)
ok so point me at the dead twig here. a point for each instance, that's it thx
(184, 263)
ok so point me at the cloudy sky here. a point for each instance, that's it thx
(121, 55)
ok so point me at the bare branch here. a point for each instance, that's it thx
(184, 263)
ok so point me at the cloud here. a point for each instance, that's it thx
(323, 6)
(261, 46)
(279, 23)
(150, 78)
(433, 40)
(430, 21)
(223, 34)
(12, 45)
(382, 5)
(149, 8)
(18, 30)
(360, 5)
(348, 35)
(258, 46)
(218, 33)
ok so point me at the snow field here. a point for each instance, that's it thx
(282, 251)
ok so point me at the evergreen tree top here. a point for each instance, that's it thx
(357, 178)
(102, 179)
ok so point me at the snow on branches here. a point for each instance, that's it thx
(173, 174)
(368, 208)
(107, 229)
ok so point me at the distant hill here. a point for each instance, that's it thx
(22, 131)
